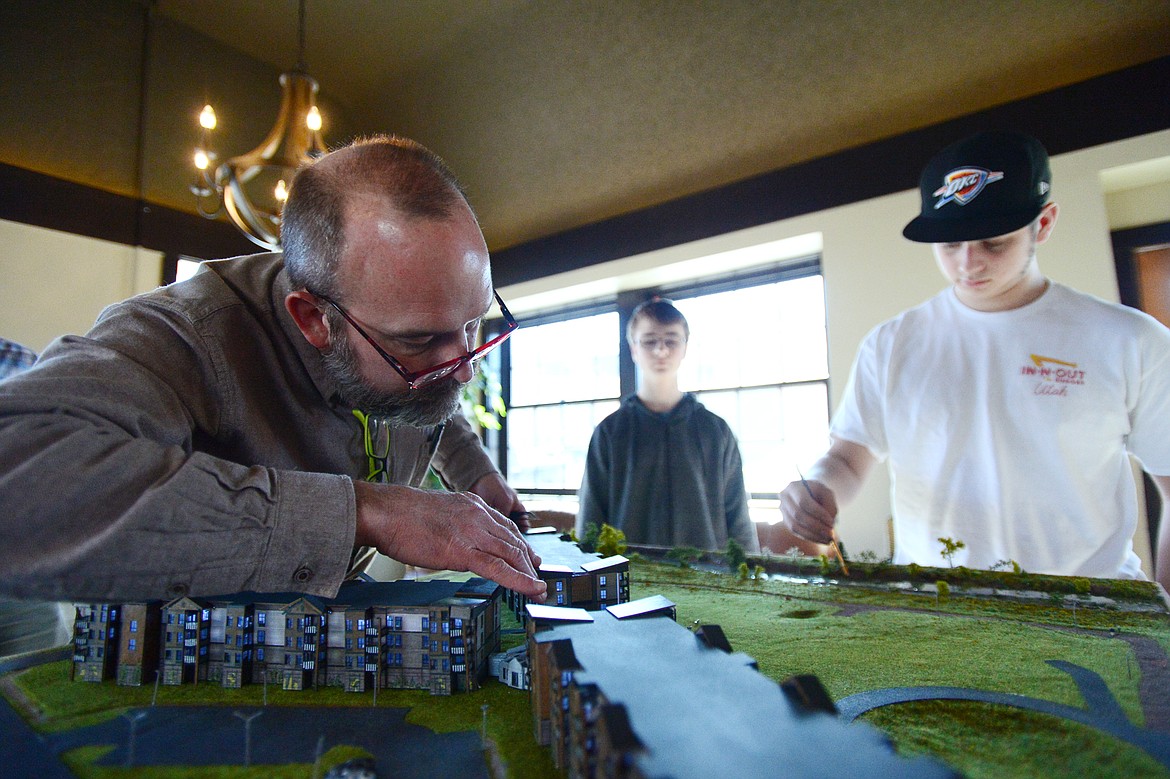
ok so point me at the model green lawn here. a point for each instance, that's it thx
(901, 639)
(897, 639)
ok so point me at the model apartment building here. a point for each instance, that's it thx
(575, 578)
(431, 635)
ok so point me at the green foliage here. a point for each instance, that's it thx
(685, 555)
(743, 572)
(944, 589)
(482, 399)
(734, 553)
(1081, 585)
(589, 542)
(826, 569)
(611, 541)
(950, 546)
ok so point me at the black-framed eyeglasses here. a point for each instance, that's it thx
(416, 379)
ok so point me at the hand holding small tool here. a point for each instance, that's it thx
(833, 540)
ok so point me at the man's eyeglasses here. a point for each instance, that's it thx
(652, 344)
(416, 379)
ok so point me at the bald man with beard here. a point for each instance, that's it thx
(208, 437)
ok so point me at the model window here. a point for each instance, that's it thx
(133, 644)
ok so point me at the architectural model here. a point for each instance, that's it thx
(574, 578)
(432, 635)
(627, 691)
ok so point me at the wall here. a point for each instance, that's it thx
(56, 283)
(872, 273)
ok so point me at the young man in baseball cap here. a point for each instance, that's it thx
(1006, 406)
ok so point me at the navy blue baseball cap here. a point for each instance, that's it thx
(989, 184)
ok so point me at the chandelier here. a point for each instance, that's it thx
(252, 187)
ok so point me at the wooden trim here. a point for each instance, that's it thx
(44, 201)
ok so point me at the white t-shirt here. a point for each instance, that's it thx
(1009, 430)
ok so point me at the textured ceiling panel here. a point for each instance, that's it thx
(557, 114)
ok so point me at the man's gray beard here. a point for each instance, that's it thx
(433, 404)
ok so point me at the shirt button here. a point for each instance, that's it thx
(303, 574)
(177, 590)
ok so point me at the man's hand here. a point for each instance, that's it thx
(834, 479)
(498, 494)
(810, 512)
(456, 531)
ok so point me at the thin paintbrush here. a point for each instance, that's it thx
(833, 540)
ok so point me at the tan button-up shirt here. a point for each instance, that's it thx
(192, 442)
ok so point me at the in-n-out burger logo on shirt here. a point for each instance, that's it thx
(962, 185)
(1055, 375)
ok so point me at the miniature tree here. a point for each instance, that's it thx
(758, 573)
(610, 541)
(589, 542)
(743, 571)
(950, 546)
(734, 554)
(942, 591)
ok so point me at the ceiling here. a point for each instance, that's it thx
(556, 114)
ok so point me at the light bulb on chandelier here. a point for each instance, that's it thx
(253, 187)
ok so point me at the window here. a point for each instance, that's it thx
(758, 357)
(133, 626)
(133, 645)
(563, 381)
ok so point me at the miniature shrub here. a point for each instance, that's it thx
(685, 555)
(734, 554)
(611, 541)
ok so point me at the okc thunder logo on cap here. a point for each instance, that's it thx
(963, 184)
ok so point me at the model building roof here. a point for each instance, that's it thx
(554, 551)
(363, 594)
(702, 712)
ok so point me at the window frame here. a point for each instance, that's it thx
(624, 303)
